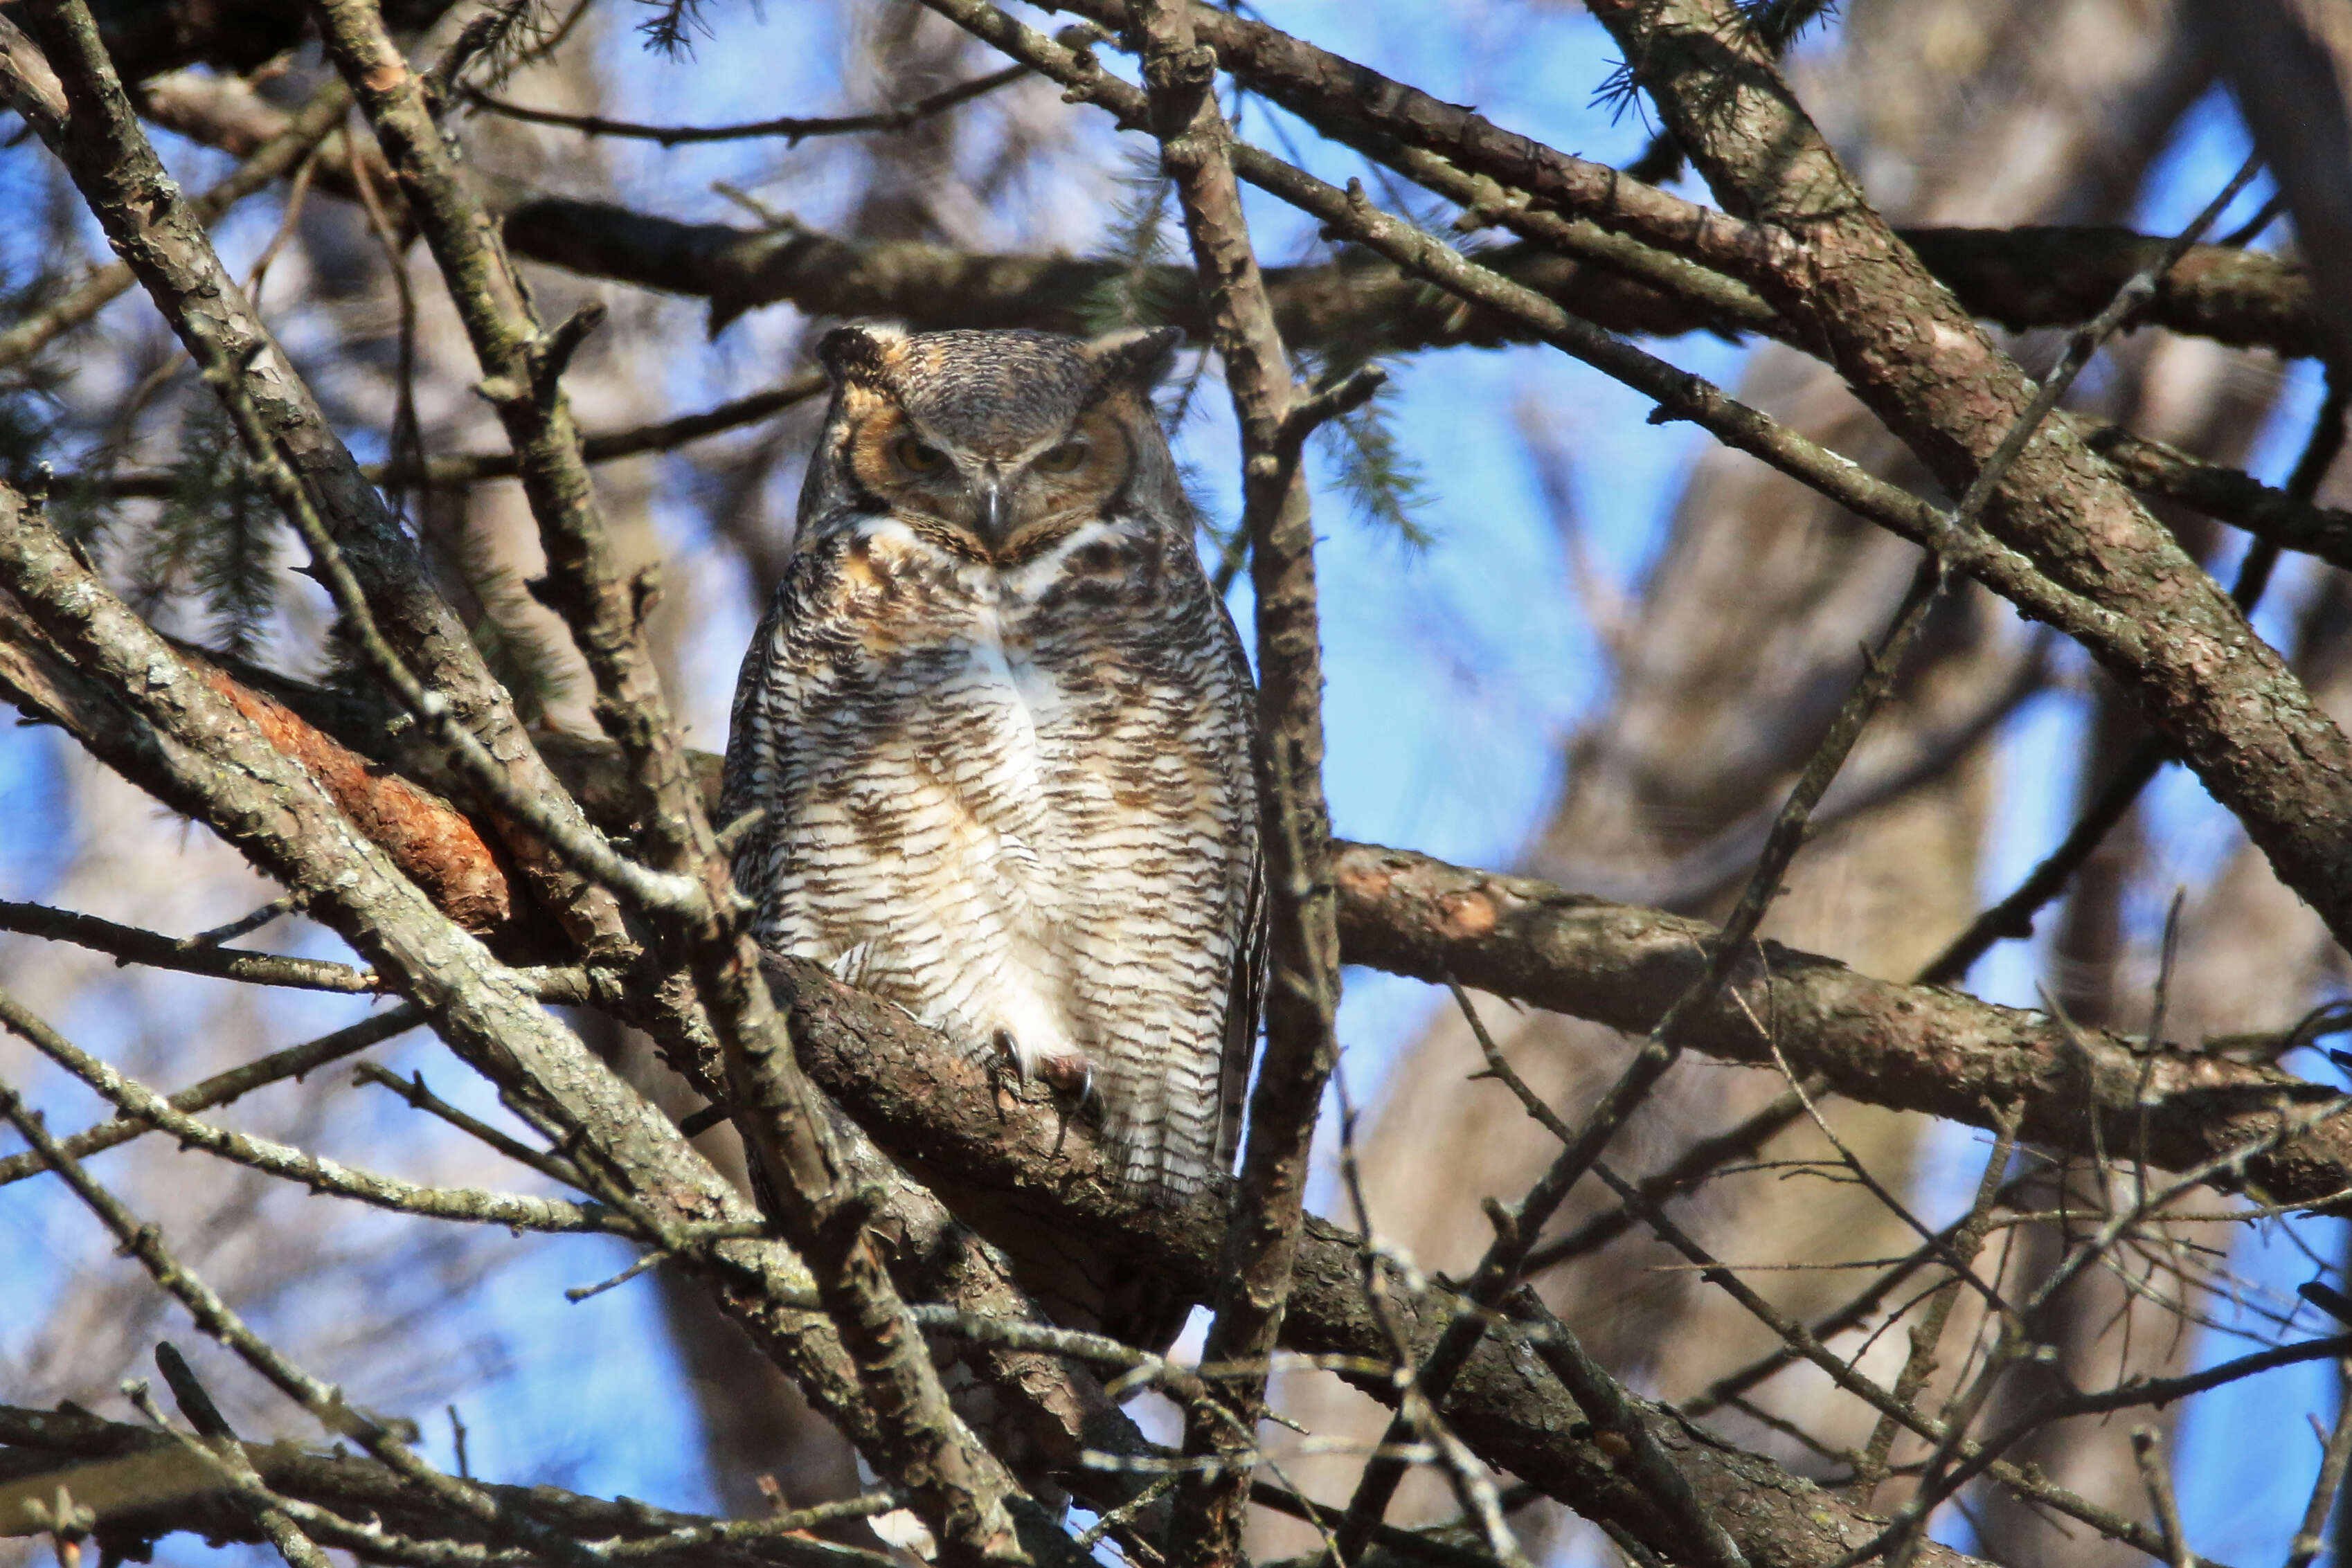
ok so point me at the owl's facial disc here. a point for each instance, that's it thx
(1000, 491)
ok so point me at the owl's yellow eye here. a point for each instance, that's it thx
(917, 457)
(1064, 458)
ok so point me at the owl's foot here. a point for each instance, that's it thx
(1073, 1075)
(1072, 1080)
(1070, 1076)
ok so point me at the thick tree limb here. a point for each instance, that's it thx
(2225, 701)
(1913, 1048)
(1360, 304)
(923, 1098)
(1877, 1042)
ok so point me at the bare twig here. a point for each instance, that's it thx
(193, 955)
(290, 148)
(412, 1089)
(2148, 1449)
(466, 468)
(218, 1446)
(792, 130)
(222, 1088)
(2326, 1486)
(315, 1172)
(1928, 1334)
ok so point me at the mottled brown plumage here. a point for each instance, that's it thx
(999, 725)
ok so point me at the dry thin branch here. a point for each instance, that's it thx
(2147, 1447)
(217, 1444)
(132, 945)
(522, 366)
(1800, 1339)
(290, 147)
(223, 1087)
(90, 125)
(324, 1401)
(1685, 1174)
(412, 1089)
(2327, 1484)
(470, 467)
(1928, 1335)
(794, 131)
(316, 1172)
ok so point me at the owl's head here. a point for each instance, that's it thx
(993, 443)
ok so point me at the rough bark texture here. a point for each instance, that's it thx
(2222, 698)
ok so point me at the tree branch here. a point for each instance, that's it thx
(918, 1095)
(2024, 277)
(2221, 699)
(91, 128)
(141, 1487)
(223, 1087)
(794, 130)
(1911, 1047)
(1302, 990)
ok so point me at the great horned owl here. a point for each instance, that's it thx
(999, 727)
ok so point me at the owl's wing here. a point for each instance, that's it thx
(762, 721)
(747, 737)
(1246, 989)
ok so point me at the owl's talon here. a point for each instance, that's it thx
(1072, 1078)
(1072, 1075)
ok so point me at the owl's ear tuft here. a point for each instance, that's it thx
(1138, 357)
(857, 353)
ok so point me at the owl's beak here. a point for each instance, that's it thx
(994, 506)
